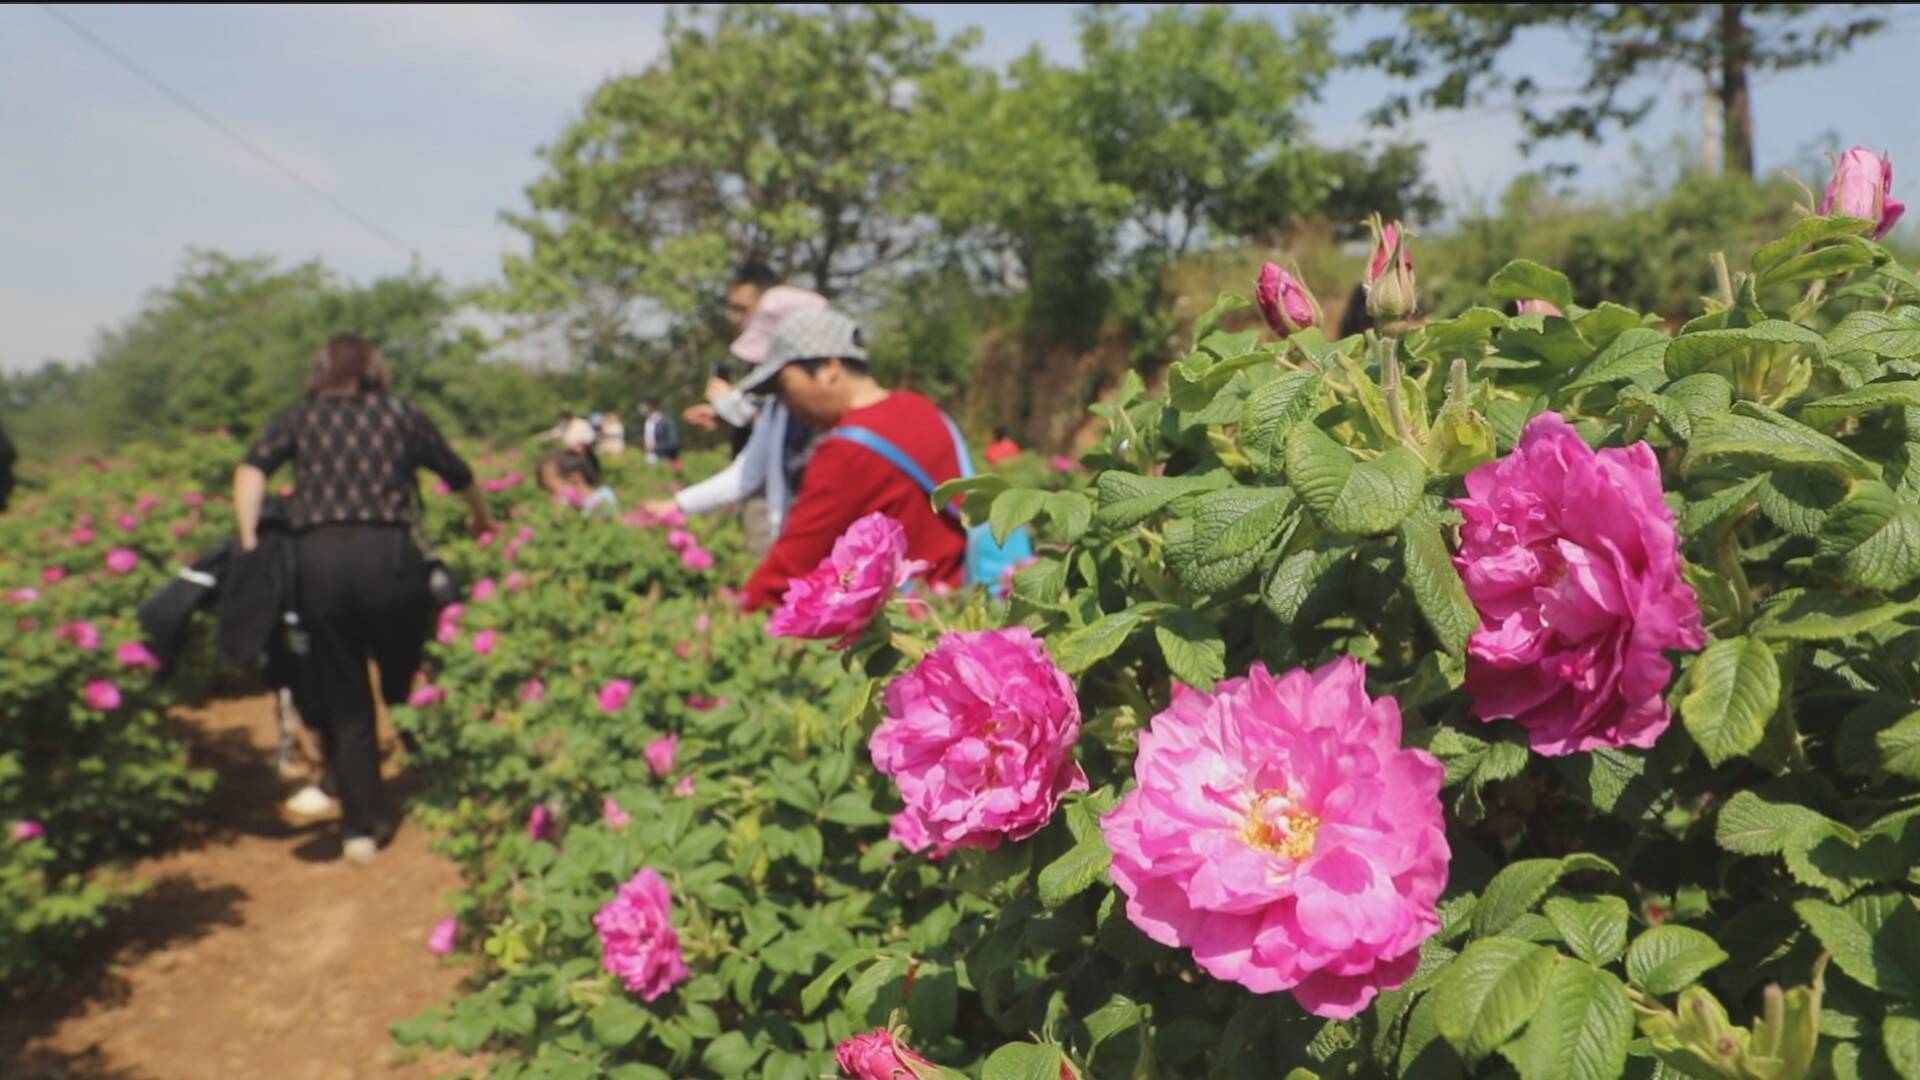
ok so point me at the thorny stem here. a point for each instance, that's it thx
(1725, 277)
(1396, 404)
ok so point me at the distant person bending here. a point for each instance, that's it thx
(362, 581)
(575, 476)
(818, 366)
(1003, 448)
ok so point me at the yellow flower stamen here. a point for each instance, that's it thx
(1292, 836)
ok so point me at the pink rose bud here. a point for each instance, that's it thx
(135, 654)
(1390, 287)
(441, 488)
(697, 558)
(484, 589)
(524, 536)
(637, 940)
(1063, 463)
(84, 521)
(1862, 187)
(102, 696)
(684, 789)
(446, 934)
(683, 650)
(880, 1055)
(427, 695)
(660, 754)
(534, 692)
(127, 522)
(1285, 302)
(181, 530)
(24, 831)
(1537, 307)
(122, 561)
(84, 634)
(484, 641)
(674, 518)
(614, 817)
(681, 539)
(540, 823)
(486, 539)
(702, 622)
(614, 695)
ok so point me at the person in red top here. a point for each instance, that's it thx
(1003, 448)
(818, 366)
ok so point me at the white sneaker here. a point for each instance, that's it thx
(360, 850)
(311, 802)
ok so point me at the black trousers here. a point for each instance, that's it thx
(363, 594)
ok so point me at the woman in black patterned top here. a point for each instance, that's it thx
(362, 582)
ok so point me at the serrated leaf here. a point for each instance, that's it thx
(1877, 332)
(1071, 512)
(1515, 890)
(1013, 508)
(1701, 515)
(1596, 930)
(1898, 746)
(1844, 256)
(1733, 688)
(814, 994)
(1523, 279)
(1800, 500)
(1900, 1038)
(616, 1022)
(1668, 959)
(1074, 872)
(1436, 585)
(1871, 540)
(1100, 639)
(1307, 580)
(1127, 499)
(1753, 824)
(1804, 234)
(1227, 534)
(1720, 351)
(1773, 446)
(1638, 356)
(1904, 394)
(1193, 648)
(1023, 1061)
(1489, 992)
(1271, 411)
(1223, 305)
(1581, 1030)
(1823, 615)
(1358, 498)
(1875, 939)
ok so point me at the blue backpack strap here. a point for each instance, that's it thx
(885, 447)
(960, 452)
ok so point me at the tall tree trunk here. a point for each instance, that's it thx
(1736, 107)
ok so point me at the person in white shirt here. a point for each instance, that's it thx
(613, 436)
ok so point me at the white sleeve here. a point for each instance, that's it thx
(745, 476)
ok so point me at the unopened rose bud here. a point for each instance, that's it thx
(1862, 187)
(1538, 307)
(1390, 289)
(1285, 301)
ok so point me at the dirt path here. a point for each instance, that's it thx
(256, 953)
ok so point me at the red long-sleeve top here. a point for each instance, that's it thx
(846, 481)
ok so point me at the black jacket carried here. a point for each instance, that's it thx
(253, 592)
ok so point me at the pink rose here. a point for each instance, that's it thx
(674, 518)
(53, 575)
(147, 504)
(194, 498)
(102, 696)
(483, 642)
(1063, 463)
(24, 831)
(516, 582)
(484, 589)
(1537, 307)
(683, 650)
(427, 695)
(637, 940)
(181, 529)
(485, 539)
(613, 815)
(81, 537)
(681, 540)
(660, 754)
(135, 654)
(441, 488)
(1285, 302)
(697, 558)
(540, 823)
(614, 695)
(83, 634)
(446, 933)
(850, 586)
(1573, 561)
(524, 536)
(513, 550)
(534, 692)
(127, 522)
(24, 596)
(1862, 187)
(979, 737)
(1390, 282)
(880, 1055)
(122, 561)
(1281, 832)
(684, 789)
(702, 703)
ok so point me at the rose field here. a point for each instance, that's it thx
(1525, 695)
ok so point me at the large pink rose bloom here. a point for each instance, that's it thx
(1282, 833)
(637, 938)
(850, 586)
(880, 1055)
(979, 736)
(1572, 559)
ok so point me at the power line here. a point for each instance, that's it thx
(226, 130)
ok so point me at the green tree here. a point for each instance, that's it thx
(761, 132)
(1453, 48)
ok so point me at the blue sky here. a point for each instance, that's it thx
(425, 120)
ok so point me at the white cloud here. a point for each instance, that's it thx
(509, 42)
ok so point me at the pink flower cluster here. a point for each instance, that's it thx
(122, 561)
(840, 598)
(614, 695)
(136, 655)
(1281, 832)
(613, 815)
(979, 737)
(102, 696)
(540, 823)
(637, 940)
(427, 695)
(448, 629)
(485, 642)
(1572, 558)
(24, 831)
(534, 692)
(503, 483)
(84, 635)
(484, 590)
